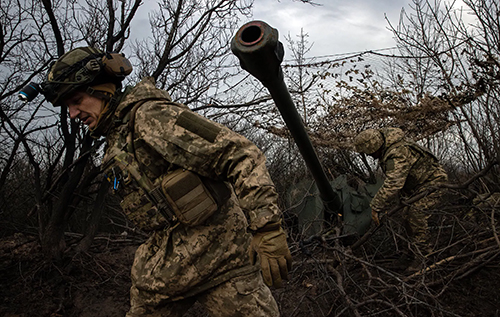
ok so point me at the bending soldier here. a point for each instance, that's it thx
(201, 190)
(409, 170)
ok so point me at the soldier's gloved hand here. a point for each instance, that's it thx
(275, 258)
(375, 217)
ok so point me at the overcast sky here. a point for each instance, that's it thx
(335, 27)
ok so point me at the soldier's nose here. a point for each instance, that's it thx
(73, 112)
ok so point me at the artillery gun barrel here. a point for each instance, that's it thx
(260, 53)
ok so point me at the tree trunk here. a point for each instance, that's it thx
(53, 237)
(95, 218)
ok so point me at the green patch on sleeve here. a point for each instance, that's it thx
(199, 126)
(390, 165)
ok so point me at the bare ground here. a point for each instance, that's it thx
(328, 279)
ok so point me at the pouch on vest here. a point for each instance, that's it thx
(189, 198)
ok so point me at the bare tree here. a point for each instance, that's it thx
(190, 40)
(441, 86)
(298, 80)
(457, 62)
(189, 46)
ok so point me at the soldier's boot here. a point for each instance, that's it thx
(420, 259)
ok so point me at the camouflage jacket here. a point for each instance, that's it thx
(168, 136)
(408, 168)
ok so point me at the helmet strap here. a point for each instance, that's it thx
(103, 91)
(106, 92)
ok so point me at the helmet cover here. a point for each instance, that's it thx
(368, 141)
(83, 67)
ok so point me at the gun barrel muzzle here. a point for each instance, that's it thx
(260, 53)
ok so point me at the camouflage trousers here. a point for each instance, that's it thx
(416, 217)
(243, 296)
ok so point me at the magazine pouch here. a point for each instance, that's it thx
(189, 198)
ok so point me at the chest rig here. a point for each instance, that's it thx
(157, 193)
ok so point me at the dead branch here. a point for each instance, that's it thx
(450, 259)
(493, 227)
(468, 268)
(342, 291)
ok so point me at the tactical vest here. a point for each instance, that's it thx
(158, 194)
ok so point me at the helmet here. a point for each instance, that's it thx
(368, 141)
(83, 67)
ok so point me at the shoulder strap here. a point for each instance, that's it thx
(154, 194)
(420, 149)
(131, 127)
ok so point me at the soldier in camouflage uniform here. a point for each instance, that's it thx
(409, 169)
(221, 249)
